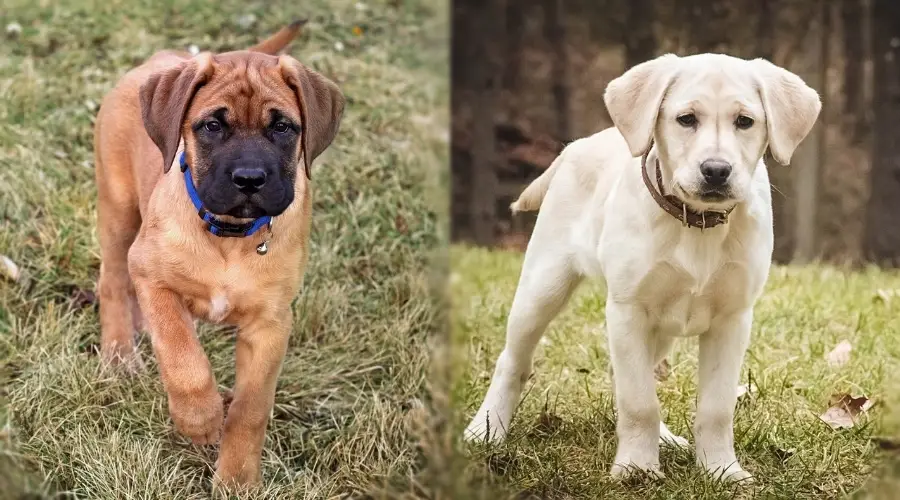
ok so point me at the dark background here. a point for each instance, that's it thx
(529, 75)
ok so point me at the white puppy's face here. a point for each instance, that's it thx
(711, 132)
(712, 117)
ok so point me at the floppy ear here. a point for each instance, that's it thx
(321, 107)
(165, 98)
(633, 100)
(791, 108)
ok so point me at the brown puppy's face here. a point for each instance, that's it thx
(242, 135)
(247, 119)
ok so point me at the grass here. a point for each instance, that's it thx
(562, 439)
(352, 414)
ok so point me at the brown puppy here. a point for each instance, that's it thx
(245, 120)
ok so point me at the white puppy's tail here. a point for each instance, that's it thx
(533, 196)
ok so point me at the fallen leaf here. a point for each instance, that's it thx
(745, 389)
(662, 370)
(9, 269)
(843, 410)
(840, 354)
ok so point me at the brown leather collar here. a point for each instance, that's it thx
(677, 208)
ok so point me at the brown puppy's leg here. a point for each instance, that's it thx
(194, 402)
(260, 350)
(119, 221)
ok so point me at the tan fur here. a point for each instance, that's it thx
(159, 261)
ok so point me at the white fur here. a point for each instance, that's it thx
(664, 280)
(218, 308)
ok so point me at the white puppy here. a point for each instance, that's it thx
(698, 127)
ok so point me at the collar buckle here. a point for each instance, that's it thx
(670, 203)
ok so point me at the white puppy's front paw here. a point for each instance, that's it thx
(730, 472)
(623, 470)
(635, 459)
(485, 427)
(668, 438)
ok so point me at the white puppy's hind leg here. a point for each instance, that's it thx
(546, 283)
(666, 437)
(721, 355)
(632, 352)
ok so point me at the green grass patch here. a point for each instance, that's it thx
(347, 419)
(562, 439)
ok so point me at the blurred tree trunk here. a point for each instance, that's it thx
(711, 17)
(515, 34)
(882, 231)
(779, 176)
(461, 164)
(487, 39)
(807, 161)
(765, 34)
(851, 15)
(555, 33)
(640, 40)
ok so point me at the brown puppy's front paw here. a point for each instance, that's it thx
(235, 475)
(198, 416)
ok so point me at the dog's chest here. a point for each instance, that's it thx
(685, 292)
(228, 293)
(214, 308)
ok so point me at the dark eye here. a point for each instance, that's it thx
(688, 120)
(743, 122)
(281, 127)
(212, 126)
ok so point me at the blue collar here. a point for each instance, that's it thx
(214, 225)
